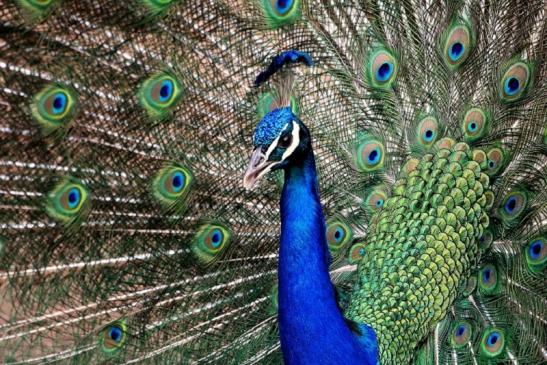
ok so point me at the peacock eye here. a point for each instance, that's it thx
(375, 200)
(338, 234)
(381, 68)
(515, 81)
(54, 107)
(461, 334)
(428, 131)
(35, 10)
(171, 186)
(278, 13)
(493, 342)
(67, 201)
(488, 280)
(210, 242)
(285, 141)
(370, 155)
(154, 7)
(536, 254)
(41, 2)
(57, 103)
(513, 206)
(115, 334)
(159, 94)
(486, 240)
(356, 253)
(283, 7)
(73, 198)
(112, 338)
(475, 124)
(458, 42)
(495, 159)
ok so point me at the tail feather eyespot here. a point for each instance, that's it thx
(428, 131)
(461, 334)
(171, 185)
(513, 206)
(210, 242)
(113, 337)
(356, 253)
(37, 10)
(375, 199)
(278, 13)
(54, 108)
(370, 154)
(492, 342)
(515, 82)
(488, 279)
(458, 41)
(381, 68)
(159, 93)
(68, 201)
(338, 235)
(475, 124)
(535, 253)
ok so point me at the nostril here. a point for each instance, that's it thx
(258, 161)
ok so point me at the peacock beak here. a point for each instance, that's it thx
(258, 167)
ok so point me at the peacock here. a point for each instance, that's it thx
(273, 181)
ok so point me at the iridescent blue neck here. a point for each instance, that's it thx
(312, 328)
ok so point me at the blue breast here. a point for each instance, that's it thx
(312, 329)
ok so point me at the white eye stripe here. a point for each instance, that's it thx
(295, 140)
(274, 144)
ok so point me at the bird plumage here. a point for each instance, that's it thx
(309, 317)
(127, 236)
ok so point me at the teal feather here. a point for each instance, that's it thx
(120, 271)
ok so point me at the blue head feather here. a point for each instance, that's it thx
(312, 328)
(271, 125)
(282, 59)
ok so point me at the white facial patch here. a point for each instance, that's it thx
(294, 143)
(260, 165)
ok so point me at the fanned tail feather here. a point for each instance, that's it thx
(125, 233)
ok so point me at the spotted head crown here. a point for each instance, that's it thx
(278, 134)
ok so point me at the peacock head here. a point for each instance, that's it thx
(280, 139)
